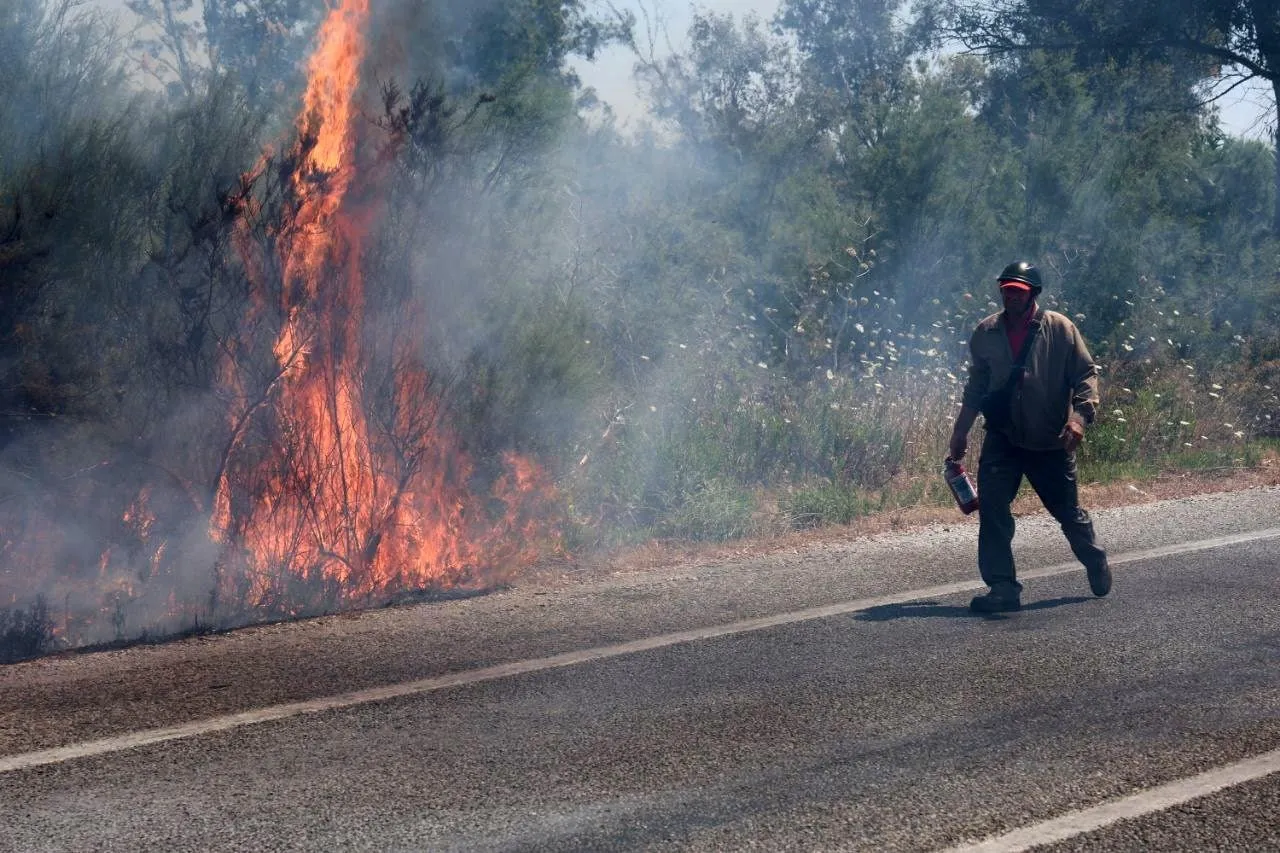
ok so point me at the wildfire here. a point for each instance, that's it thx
(332, 496)
(337, 477)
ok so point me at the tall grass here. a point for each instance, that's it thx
(754, 450)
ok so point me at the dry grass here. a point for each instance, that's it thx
(659, 554)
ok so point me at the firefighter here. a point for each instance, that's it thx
(1035, 418)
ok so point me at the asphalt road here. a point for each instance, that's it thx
(832, 697)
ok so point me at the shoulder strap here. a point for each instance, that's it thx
(1034, 328)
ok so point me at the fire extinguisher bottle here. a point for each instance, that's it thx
(962, 486)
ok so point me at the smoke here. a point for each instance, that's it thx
(766, 290)
(616, 308)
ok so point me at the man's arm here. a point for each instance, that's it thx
(959, 443)
(975, 387)
(1082, 379)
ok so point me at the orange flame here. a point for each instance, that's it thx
(335, 480)
(333, 498)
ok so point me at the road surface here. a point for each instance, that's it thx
(836, 696)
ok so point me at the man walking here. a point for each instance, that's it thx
(1035, 408)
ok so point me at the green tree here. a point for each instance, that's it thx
(65, 154)
(261, 43)
(170, 43)
(860, 53)
(907, 158)
(1235, 41)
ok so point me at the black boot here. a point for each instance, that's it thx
(993, 602)
(1099, 578)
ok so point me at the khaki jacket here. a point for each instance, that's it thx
(1060, 378)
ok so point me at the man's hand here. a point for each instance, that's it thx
(1072, 434)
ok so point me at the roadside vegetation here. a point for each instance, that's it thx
(747, 318)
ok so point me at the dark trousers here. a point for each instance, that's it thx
(1052, 473)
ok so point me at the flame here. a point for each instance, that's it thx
(332, 498)
(339, 478)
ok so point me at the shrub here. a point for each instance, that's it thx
(25, 633)
(715, 511)
(824, 504)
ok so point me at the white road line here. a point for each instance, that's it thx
(1157, 799)
(132, 740)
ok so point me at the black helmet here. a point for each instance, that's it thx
(1024, 272)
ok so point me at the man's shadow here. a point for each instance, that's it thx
(931, 609)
